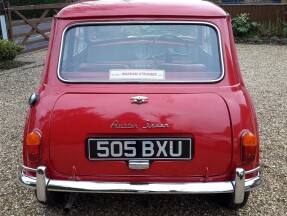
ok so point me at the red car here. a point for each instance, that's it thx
(142, 97)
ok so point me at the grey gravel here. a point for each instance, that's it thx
(264, 69)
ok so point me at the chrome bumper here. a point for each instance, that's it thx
(42, 184)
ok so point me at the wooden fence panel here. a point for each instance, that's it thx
(264, 13)
(32, 36)
(39, 7)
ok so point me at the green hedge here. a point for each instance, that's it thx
(9, 50)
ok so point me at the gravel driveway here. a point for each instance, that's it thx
(264, 68)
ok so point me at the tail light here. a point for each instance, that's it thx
(33, 143)
(249, 145)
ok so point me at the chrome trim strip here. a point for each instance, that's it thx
(253, 184)
(143, 22)
(154, 188)
(27, 181)
(253, 170)
(22, 167)
(151, 188)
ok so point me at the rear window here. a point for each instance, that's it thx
(141, 52)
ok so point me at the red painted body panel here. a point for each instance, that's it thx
(141, 8)
(215, 118)
(91, 115)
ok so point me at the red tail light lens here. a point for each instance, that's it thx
(249, 145)
(33, 142)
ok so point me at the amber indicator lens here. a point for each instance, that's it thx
(249, 139)
(33, 142)
(34, 138)
(249, 147)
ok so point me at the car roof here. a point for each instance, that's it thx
(141, 8)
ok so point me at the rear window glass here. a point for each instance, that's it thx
(186, 52)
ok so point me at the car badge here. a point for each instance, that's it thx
(139, 99)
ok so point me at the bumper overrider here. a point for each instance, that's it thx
(42, 184)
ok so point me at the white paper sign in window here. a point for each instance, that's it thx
(136, 74)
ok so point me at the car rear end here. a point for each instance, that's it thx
(141, 105)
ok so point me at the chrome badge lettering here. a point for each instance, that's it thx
(155, 125)
(116, 124)
(147, 125)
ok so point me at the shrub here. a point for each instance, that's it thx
(269, 29)
(284, 32)
(9, 50)
(242, 26)
(275, 38)
(256, 39)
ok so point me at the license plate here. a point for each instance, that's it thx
(139, 148)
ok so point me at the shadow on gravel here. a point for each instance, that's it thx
(7, 65)
(126, 204)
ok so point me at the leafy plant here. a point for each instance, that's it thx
(9, 50)
(256, 39)
(284, 32)
(242, 26)
(268, 29)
